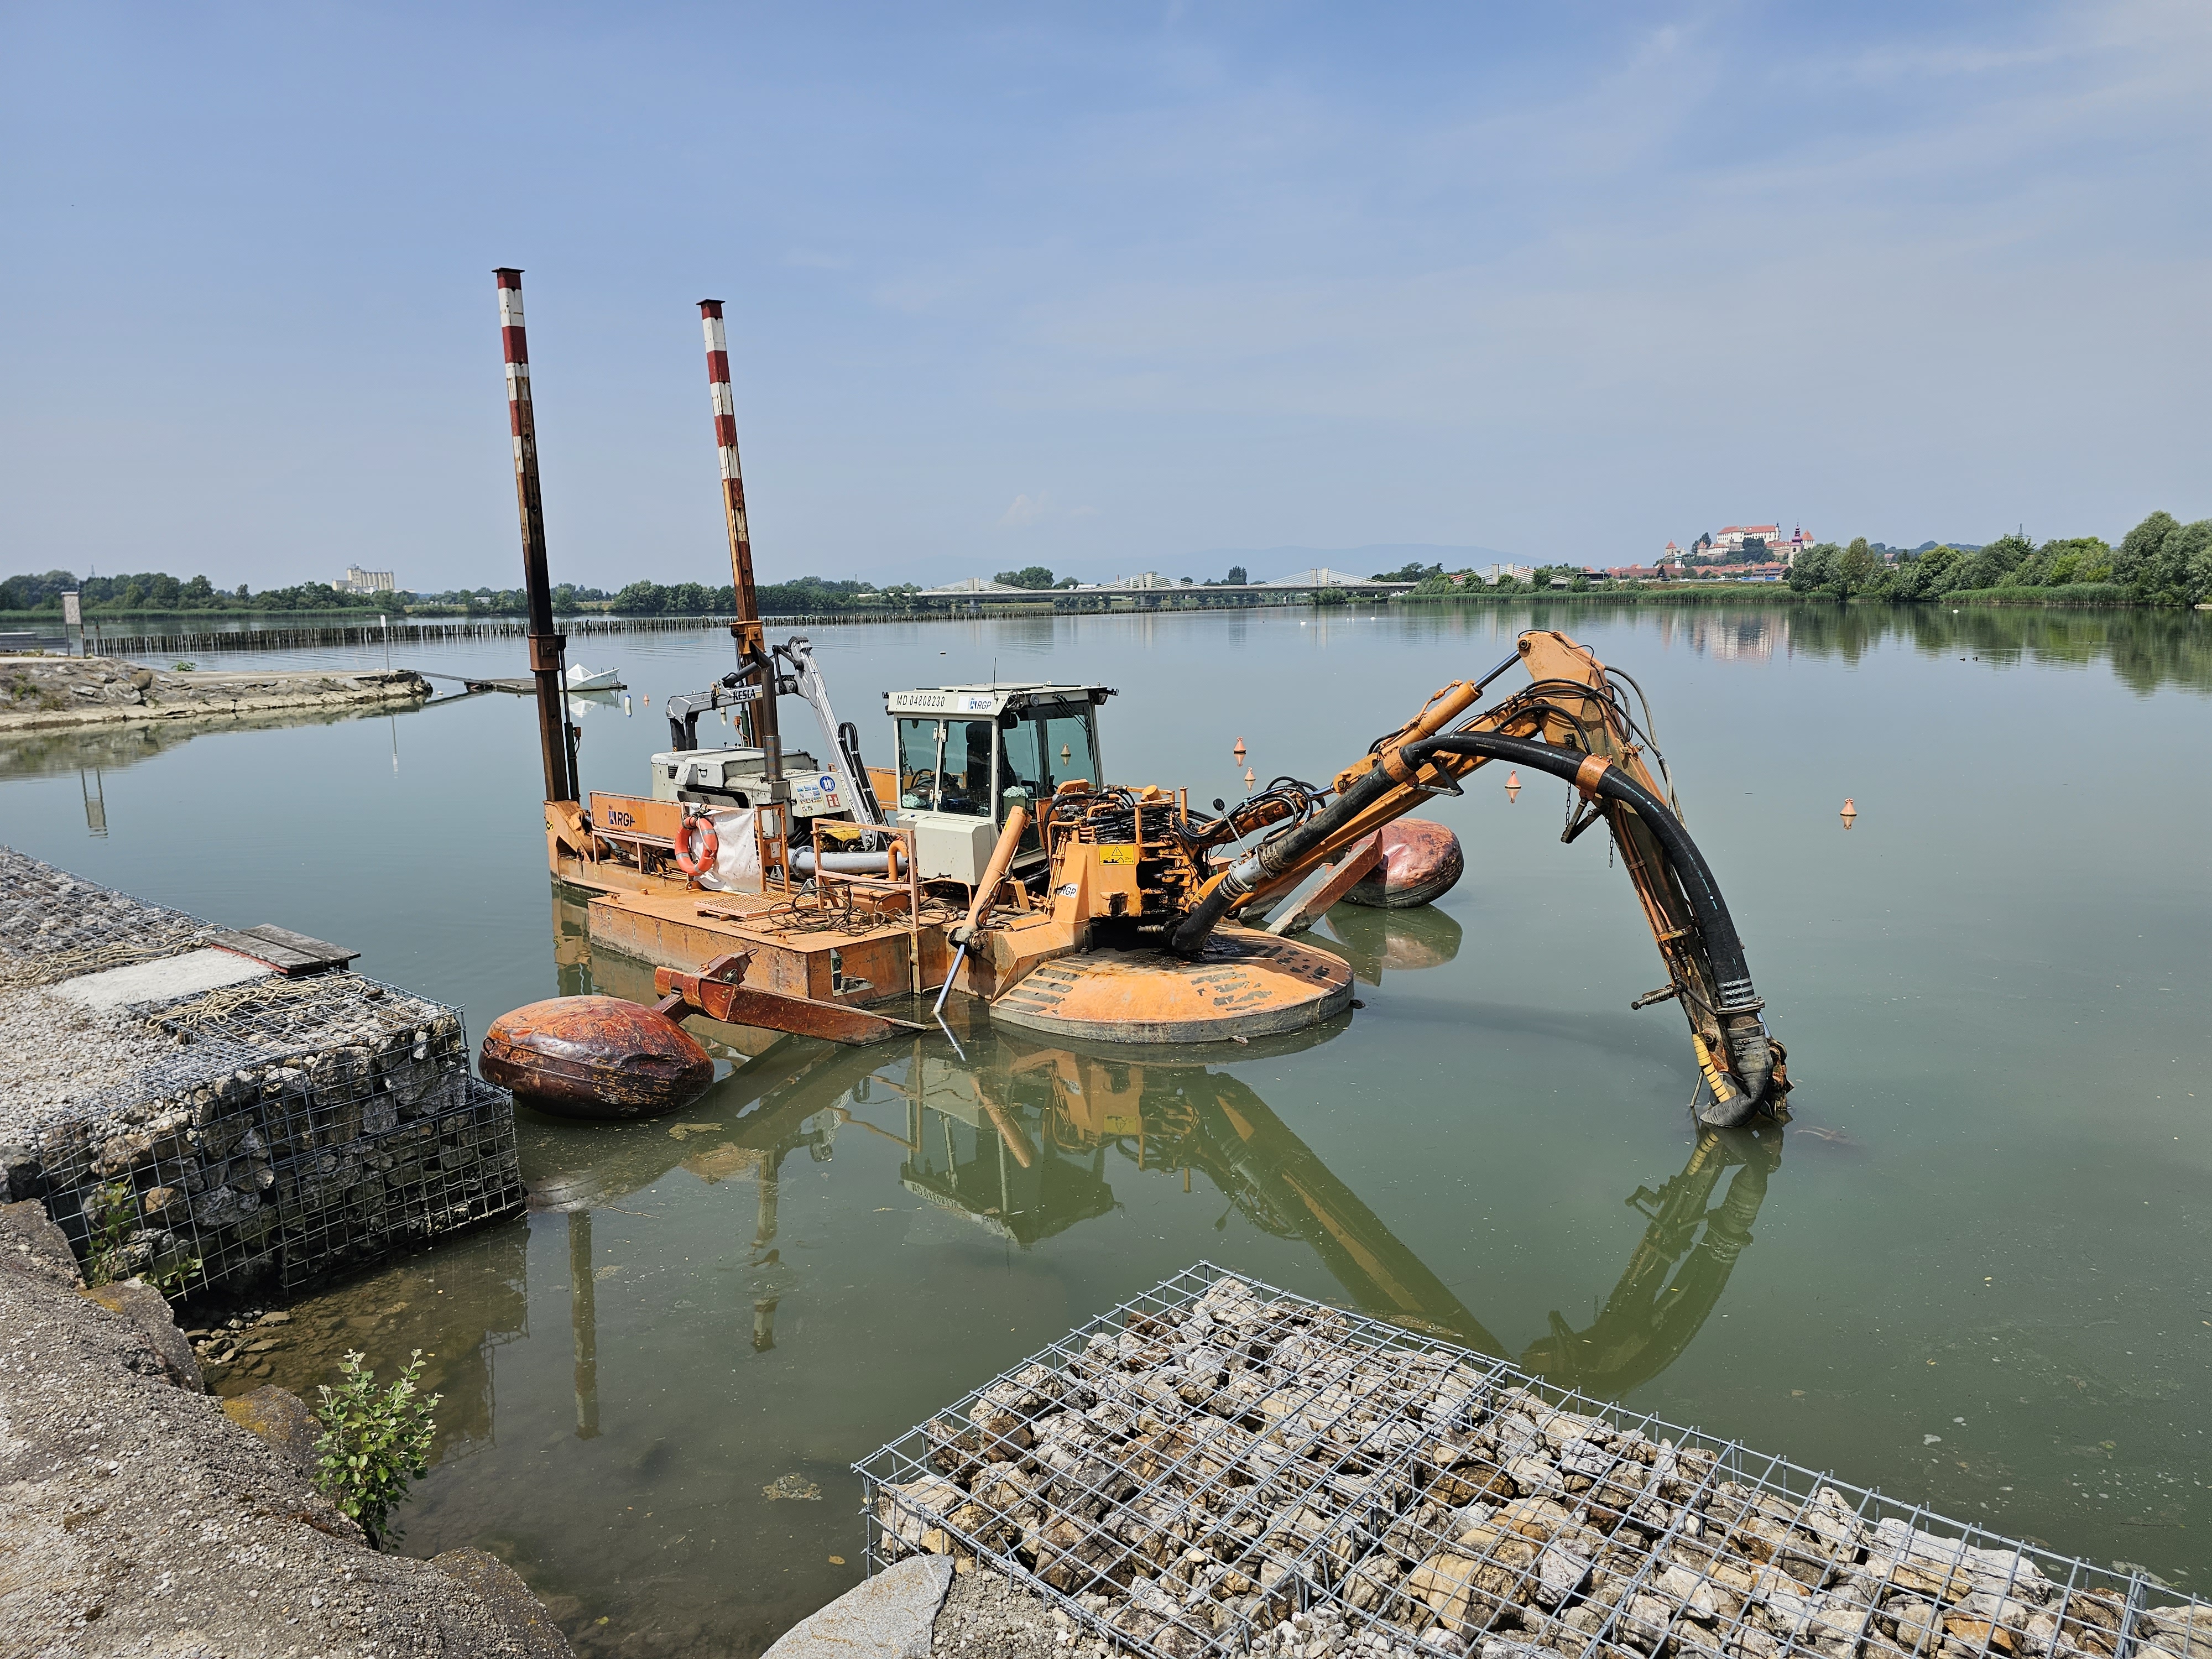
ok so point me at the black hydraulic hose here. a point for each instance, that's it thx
(1723, 947)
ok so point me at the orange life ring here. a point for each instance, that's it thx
(696, 866)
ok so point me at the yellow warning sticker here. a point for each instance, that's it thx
(1124, 854)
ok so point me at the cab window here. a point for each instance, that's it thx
(1020, 766)
(966, 782)
(918, 763)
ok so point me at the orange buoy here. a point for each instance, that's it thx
(1250, 777)
(1849, 812)
(1512, 787)
(595, 1057)
(1238, 751)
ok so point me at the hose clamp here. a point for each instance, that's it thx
(1738, 998)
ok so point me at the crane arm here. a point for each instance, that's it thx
(842, 739)
(1571, 722)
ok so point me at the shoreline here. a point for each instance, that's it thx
(288, 630)
(139, 1509)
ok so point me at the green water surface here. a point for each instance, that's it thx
(1973, 1271)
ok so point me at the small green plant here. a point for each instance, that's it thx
(174, 1281)
(113, 1209)
(184, 667)
(375, 1444)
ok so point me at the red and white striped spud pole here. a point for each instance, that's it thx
(745, 626)
(546, 647)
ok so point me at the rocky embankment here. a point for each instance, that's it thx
(64, 691)
(139, 1516)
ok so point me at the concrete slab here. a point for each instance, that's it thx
(157, 981)
(887, 1617)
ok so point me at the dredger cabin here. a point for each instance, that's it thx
(966, 755)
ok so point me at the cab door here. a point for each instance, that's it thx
(1069, 738)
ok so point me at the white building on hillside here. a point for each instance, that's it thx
(1729, 542)
(1732, 537)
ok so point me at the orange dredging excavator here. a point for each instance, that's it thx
(1140, 938)
(1109, 914)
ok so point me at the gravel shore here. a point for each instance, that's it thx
(137, 1517)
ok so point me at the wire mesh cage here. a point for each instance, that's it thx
(54, 926)
(1220, 1467)
(298, 1126)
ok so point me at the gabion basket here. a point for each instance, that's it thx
(301, 1127)
(1218, 1467)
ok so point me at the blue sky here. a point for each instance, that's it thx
(1101, 286)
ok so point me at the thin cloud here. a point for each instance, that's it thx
(1025, 510)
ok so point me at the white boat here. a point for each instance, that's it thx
(580, 678)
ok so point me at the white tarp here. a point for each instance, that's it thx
(737, 858)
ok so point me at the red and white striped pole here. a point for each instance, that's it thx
(746, 626)
(546, 648)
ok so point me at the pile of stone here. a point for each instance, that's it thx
(266, 1128)
(59, 1049)
(57, 691)
(1224, 1470)
(246, 1338)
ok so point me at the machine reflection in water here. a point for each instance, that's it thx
(1024, 1136)
(1021, 1142)
(1674, 1279)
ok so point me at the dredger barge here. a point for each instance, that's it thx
(778, 889)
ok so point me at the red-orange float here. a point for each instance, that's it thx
(1421, 862)
(598, 1058)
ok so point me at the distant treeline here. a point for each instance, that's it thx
(2161, 562)
(808, 596)
(157, 592)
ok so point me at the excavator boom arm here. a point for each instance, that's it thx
(1569, 722)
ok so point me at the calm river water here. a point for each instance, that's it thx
(1974, 1270)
